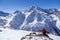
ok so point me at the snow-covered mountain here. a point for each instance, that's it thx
(33, 19)
(38, 18)
(3, 18)
(17, 20)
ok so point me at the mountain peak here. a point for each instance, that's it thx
(35, 8)
(16, 12)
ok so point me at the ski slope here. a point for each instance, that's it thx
(10, 34)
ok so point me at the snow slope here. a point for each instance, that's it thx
(10, 34)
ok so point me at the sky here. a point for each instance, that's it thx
(13, 5)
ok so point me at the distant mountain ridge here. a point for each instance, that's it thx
(33, 19)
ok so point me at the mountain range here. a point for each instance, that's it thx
(33, 19)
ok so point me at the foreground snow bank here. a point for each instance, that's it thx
(9, 34)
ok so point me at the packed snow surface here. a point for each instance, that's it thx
(11, 34)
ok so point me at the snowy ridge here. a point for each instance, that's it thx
(57, 19)
(34, 19)
(9, 19)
